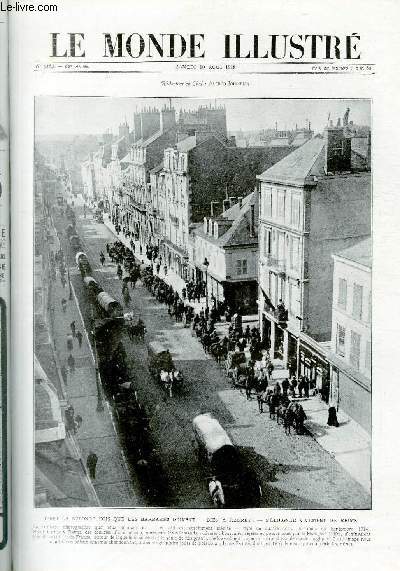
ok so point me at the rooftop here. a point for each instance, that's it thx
(361, 253)
(239, 233)
(298, 165)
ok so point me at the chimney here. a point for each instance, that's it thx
(205, 228)
(226, 204)
(252, 221)
(337, 150)
(167, 119)
(213, 209)
(240, 201)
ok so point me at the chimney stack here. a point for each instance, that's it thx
(240, 201)
(252, 221)
(337, 150)
(233, 200)
(226, 204)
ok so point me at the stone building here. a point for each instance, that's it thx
(350, 356)
(229, 242)
(198, 170)
(154, 131)
(313, 203)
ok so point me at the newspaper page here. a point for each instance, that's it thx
(4, 295)
(200, 346)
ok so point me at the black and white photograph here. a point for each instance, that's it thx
(202, 303)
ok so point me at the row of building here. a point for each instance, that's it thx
(268, 227)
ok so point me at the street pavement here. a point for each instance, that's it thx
(294, 471)
(115, 485)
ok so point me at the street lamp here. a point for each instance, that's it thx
(206, 263)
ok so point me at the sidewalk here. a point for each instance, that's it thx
(349, 443)
(97, 432)
(174, 280)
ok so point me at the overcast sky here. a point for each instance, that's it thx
(94, 115)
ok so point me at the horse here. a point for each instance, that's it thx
(167, 380)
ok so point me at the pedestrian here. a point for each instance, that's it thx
(71, 363)
(64, 374)
(306, 386)
(78, 422)
(79, 336)
(73, 328)
(64, 304)
(285, 386)
(63, 280)
(69, 418)
(70, 342)
(332, 417)
(91, 463)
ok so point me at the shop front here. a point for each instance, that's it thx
(313, 365)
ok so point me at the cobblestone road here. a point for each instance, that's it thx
(295, 472)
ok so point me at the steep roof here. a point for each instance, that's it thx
(298, 165)
(239, 233)
(187, 144)
(157, 168)
(361, 253)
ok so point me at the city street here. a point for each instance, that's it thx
(294, 471)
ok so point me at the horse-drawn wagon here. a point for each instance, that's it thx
(83, 264)
(109, 305)
(231, 483)
(75, 242)
(162, 367)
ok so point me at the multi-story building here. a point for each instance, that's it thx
(134, 209)
(350, 356)
(198, 170)
(211, 119)
(313, 203)
(229, 244)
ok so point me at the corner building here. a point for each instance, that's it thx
(313, 203)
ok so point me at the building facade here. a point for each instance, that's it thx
(350, 357)
(199, 170)
(313, 203)
(229, 243)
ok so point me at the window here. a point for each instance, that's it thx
(295, 253)
(355, 341)
(241, 267)
(357, 301)
(281, 205)
(267, 243)
(342, 293)
(273, 213)
(295, 212)
(267, 210)
(340, 340)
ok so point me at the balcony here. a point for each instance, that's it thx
(276, 264)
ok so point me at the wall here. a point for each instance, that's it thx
(343, 317)
(249, 254)
(215, 168)
(355, 401)
(215, 255)
(340, 213)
